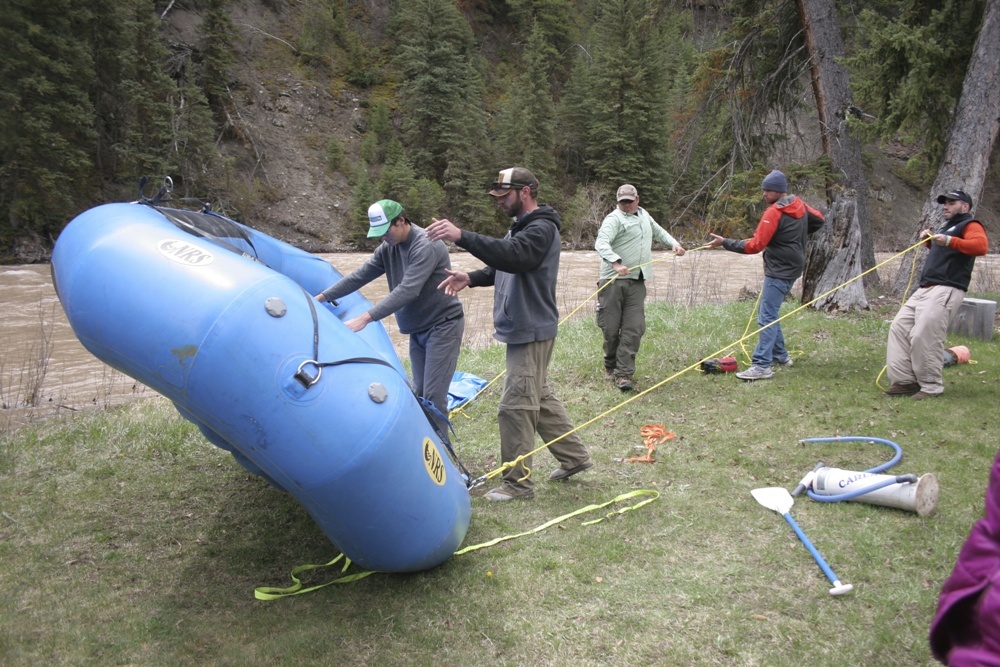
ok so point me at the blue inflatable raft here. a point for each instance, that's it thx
(221, 320)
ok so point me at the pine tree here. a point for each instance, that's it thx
(444, 122)
(553, 27)
(146, 92)
(217, 58)
(573, 117)
(627, 135)
(193, 148)
(396, 176)
(363, 195)
(907, 64)
(424, 200)
(527, 119)
(46, 117)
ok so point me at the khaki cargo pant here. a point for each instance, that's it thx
(527, 407)
(914, 353)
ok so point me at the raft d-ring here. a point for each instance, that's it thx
(168, 184)
(304, 378)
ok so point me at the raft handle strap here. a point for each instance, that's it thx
(307, 380)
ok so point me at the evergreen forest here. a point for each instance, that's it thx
(686, 99)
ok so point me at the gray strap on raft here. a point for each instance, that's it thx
(307, 380)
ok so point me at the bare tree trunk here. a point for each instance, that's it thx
(971, 136)
(845, 242)
(833, 258)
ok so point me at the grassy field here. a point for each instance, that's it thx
(127, 539)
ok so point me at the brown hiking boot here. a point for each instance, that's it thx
(624, 383)
(903, 389)
(609, 374)
(921, 395)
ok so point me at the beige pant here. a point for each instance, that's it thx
(527, 407)
(914, 353)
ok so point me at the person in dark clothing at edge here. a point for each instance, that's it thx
(522, 267)
(413, 266)
(965, 631)
(914, 356)
(781, 234)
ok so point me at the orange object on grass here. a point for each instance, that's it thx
(653, 435)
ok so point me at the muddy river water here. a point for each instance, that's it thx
(44, 370)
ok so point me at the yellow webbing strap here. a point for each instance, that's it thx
(583, 510)
(269, 593)
(460, 409)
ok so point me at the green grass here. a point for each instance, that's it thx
(127, 539)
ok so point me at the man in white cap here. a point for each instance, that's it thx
(914, 358)
(624, 243)
(781, 235)
(413, 266)
(522, 267)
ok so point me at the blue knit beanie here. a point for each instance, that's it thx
(775, 181)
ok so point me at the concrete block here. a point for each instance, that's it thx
(975, 318)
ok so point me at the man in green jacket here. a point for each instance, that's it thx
(624, 242)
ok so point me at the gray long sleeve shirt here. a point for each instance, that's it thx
(414, 269)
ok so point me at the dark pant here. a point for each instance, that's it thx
(621, 314)
(433, 358)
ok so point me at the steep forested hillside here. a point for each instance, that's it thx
(293, 115)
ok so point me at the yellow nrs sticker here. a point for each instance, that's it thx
(433, 462)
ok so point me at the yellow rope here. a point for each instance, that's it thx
(269, 593)
(460, 409)
(510, 464)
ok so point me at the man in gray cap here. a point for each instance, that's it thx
(781, 235)
(522, 267)
(624, 243)
(914, 353)
(413, 266)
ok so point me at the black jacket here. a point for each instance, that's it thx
(947, 266)
(523, 267)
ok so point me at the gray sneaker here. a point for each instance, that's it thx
(756, 373)
(783, 362)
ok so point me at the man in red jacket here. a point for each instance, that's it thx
(781, 234)
(914, 353)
